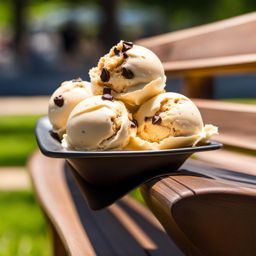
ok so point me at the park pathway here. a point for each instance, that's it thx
(23, 105)
(14, 178)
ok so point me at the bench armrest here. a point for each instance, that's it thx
(204, 216)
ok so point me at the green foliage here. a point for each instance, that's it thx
(182, 14)
(17, 139)
(5, 14)
(22, 226)
(179, 13)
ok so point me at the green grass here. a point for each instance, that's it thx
(17, 140)
(23, 230)
(22, 225)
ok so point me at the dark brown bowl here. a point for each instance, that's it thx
(115, 172)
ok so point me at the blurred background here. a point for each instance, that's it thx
(43, 43)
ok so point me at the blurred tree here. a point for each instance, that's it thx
(190, 12)
(18, 23)
(179, 14)
(109, 30)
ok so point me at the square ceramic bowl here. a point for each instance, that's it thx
(121, 170)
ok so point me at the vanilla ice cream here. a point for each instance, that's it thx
(134, 74)
(63, 100)
(98, 123)
(169, 120)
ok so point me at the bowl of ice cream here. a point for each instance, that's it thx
(110, 167)
(121, 129)
(108, 175)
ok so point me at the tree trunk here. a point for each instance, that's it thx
(19, 26)
(109, 27)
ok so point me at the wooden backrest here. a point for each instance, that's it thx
(199, 53)
(220, 47)
(207, 216)
(235, 122)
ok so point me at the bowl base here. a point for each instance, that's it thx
(99, 197)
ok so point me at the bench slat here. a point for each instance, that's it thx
(52, 193)
(210, 42)
(235, 122)
(125, 228)
(212, 66)
(229, 160)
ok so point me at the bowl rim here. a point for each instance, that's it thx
(43, 128)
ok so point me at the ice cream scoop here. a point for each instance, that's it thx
(169, 120)
(63, 100)
(134, 74)
(98, 123)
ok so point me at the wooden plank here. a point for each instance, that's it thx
(140, 210)
(235, 122)
(159, 197)
(211, 66)
(199, 30)
(221, 105)
(121, 229)
(218, 48)
(150, 225)
(200, 184)
(222, 38)
(106, 234)
(229, 160)
(53, 195)
(239, 140)
(143, 239)
(220, 173)
(216, 218)
(131, 232)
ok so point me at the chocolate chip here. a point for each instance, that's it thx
(127, 73)
(116, 51)
(107, 90)
(127, 46)
(156, 120)
(134, 123)
(125, 55)
(59, 101)
(107, 94)
(107, 97)
(79, 79)
(105, 76)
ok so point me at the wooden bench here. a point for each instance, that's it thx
(209, 206)
(224, 213)
(206, 215)
(197, 54)
(125, 228)
(192, 205)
